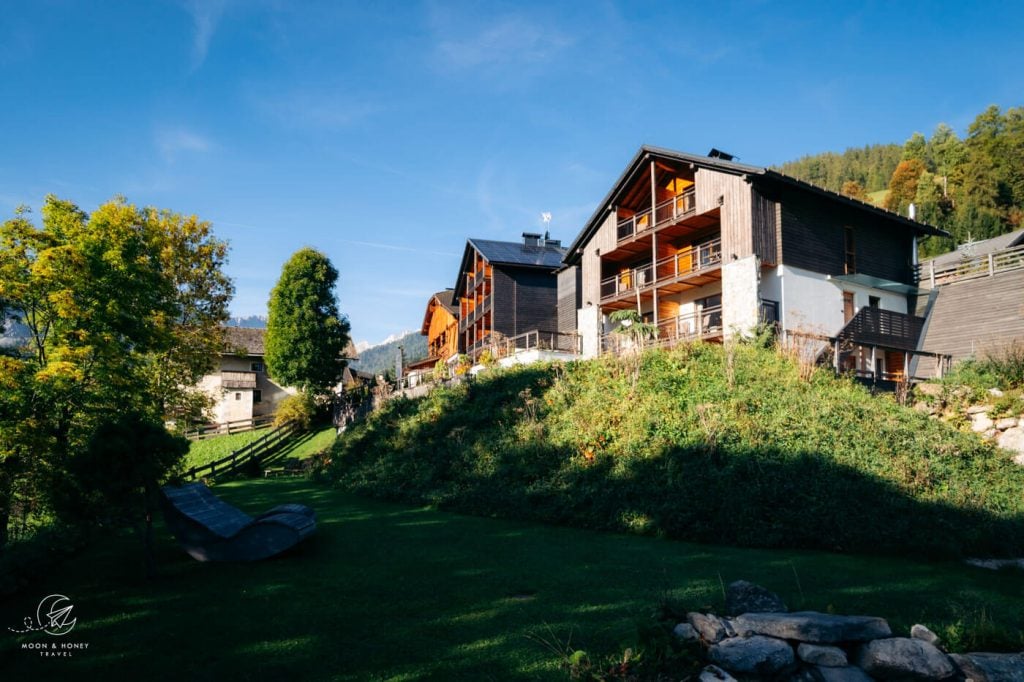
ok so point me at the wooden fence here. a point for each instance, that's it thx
(238, 426)
(254, 451)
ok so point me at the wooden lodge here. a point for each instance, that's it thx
(704, 247)
(507, 294)
(441, 327)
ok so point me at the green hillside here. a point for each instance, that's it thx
(379, 359)
(712, 444)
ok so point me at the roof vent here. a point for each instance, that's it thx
(719, 154)
(531, 238)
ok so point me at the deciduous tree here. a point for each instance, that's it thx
(306, 335)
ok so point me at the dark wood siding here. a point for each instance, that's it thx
(524, 299)
(569, 298)
(813, 239)
(765, 217)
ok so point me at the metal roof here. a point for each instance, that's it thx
(754, 172)
(981, 248)
(518, 253)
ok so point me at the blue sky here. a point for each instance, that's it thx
(384, 134)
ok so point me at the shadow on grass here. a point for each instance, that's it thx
(390, 592)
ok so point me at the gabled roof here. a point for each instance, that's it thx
(982, 248)
(444, 299)
(755, 173)
(518, 253)
(243, 341)
(514, 254)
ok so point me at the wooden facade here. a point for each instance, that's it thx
(506, 289)
(703, 247)
(441, 327)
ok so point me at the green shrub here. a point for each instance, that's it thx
(712, 444)
(298, 409)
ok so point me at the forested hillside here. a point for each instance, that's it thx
(971, 186)
(379, 359)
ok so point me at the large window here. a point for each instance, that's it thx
(850, 249)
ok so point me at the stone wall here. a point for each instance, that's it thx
(761, 640)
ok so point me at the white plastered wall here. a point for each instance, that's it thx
(740, 295)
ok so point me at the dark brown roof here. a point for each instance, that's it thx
(445, 299)
(755, 173)
(243, 341)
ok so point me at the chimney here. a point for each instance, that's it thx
(531, 238)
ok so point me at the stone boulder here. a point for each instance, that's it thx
(1006, 423)
(810, 626)
(685, 632)
(904, 658)
(817, 654)
(980, 422)
(710, 627)
(713, 673)
(850, 673)
(746, 597)
(991, 667)
(1013, 440)
(755, 655)
(924, 634)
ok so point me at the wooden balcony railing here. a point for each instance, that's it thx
(628, 281)
(697, 325)
(665, 213)
(970, 268)
(884, 328)
(701, 257)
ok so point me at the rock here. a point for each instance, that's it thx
(828, 656)
(685, 632)
(995, 392)
(752, 655)
(929, 389)
(745, 597)
(991, 433)
(713, 673)
(905, 658)
(810, 626)
(924, 634)
(981, 423)
(850, 673)
(978, 409)
(1013, 440)
(991, 667)
(923, 407)
(710, 627)
(1006, 423)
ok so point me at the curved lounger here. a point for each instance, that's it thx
(212, 530)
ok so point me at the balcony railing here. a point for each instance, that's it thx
(536, 339)
(701, 257)
(628, 281)
(884, 328)
(475, 314)
(667, 212)
(701, 324)
(970, 268)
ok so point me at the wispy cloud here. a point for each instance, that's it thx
(509, 39)
(397, 247)
(322, 108)
(206, 14)
(171, 142)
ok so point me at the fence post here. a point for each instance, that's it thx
(991, 265)
(933, 272)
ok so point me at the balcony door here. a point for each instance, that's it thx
(709, 312)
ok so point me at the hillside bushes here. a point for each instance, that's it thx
(713, 444)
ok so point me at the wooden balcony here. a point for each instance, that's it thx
(238, 380)
(884, 329)
(688, 269)
(667, 212)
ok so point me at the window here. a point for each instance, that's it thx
(257, 396)
(710, 313)
(873, 301)
(238, 396)
(850, 249)
(258, 367)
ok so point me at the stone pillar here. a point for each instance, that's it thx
(740, 299)
(588, 324)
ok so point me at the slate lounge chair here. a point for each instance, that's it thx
(212, 530)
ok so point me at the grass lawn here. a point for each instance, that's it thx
(202, 452)
(386, 592)
(308, 444)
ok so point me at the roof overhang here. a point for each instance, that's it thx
(878, 283)
(753, 173)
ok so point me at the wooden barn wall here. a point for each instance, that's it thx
(604, 240)
(813, 238)
(569, 294)
(765, 228)
(736, 202)
(524, 300)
